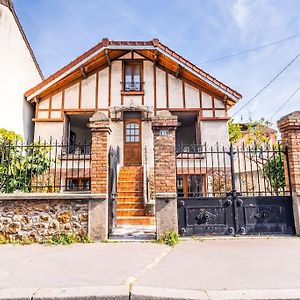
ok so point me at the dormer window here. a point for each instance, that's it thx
(132, 76)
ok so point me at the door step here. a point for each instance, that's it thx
(129, 212)
(133, 220)
(132, 233)
(130, 205)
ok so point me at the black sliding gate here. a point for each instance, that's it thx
(235, 191)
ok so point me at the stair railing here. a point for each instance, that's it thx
(146, 181)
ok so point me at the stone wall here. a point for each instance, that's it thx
(37, 220)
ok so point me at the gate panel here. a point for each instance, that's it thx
(265, 215)
(205, 216)
(239, 190)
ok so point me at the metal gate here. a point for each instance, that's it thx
(239, 190)
(113, 161)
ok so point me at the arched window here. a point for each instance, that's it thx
(132, 133)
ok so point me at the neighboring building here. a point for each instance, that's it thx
(251, 158)
(271, 135)
(19, 71)
(130, 81)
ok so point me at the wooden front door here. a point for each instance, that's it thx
(132, 142)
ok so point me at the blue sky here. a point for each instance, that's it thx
(200, 30)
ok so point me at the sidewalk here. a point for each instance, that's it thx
(258, 268)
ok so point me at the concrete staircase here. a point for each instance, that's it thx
(130, 203)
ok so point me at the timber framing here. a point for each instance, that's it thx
(102, 55)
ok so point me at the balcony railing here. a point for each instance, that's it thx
(132, 86)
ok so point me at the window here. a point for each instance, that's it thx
(78, 184)
(190, 186)
(132, 133)
(132, 76)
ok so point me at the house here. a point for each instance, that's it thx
(130, 82)
(19, 71)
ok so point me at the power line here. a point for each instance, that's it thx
(274, 78)
(251, 49)
(285, 103)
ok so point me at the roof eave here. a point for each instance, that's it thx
(134, 47)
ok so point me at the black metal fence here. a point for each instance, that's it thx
(216, 171)
(45, 167)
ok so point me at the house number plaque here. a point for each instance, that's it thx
(164, 132)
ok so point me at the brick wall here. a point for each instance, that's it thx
(99, 164)
(164, 129)
(289, 127)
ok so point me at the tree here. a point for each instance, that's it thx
(8, 136)
(20, 163)
(235, 132)
(274, 170)
(257, 132)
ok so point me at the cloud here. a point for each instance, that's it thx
(198, 30)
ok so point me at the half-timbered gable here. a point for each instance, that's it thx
(115, 77)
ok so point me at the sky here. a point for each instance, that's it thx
(200, 30)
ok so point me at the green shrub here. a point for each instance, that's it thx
(169, 238)
(68, 239)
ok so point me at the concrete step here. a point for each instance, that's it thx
(145, 220)
(130, 199)
(127, 183)
(130, 212)
(122, 194)
(127, 177)
(129, 205)
(122, 189)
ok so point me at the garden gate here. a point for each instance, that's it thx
(239, 190)
(113, 161)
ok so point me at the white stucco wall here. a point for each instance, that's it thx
(116, 78)
(116, 137)
(213, 132)
(147, 143)
(47, 130)
(18, 73)
(88, 90)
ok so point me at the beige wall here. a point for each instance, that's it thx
(18, 73)
(175, 95)
(213, 132)
(47, 130)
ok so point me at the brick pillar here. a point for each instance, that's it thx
(98, 209)
(164, 126)
(289, 127)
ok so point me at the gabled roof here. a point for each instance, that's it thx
(10, 5)
(151, 49)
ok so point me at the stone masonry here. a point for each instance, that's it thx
(164, 126)
(37, 220)
(289, 127)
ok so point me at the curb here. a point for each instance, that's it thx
(144, 292)
(120, 292)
